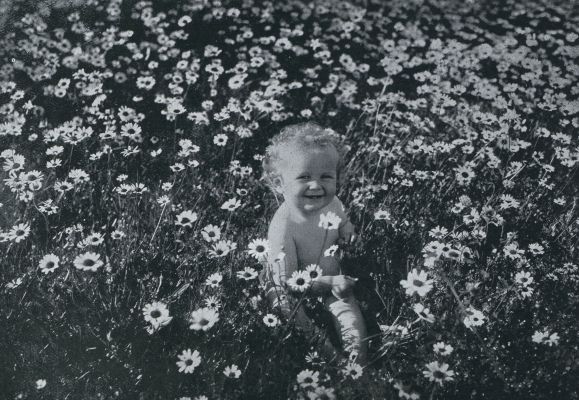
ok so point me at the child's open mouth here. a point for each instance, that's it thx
(315, 197)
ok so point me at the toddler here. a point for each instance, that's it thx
(303, 164)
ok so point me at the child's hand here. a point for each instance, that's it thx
(342, 286)
(347, 234)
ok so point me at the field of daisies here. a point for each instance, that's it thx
(133, 216)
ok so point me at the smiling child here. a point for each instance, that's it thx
(303, 164)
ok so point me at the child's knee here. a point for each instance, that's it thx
(350, 322)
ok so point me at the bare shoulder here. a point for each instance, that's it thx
(280, 236)
(337, 204)
(338, 207)
(279, 226)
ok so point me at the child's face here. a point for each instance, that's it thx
(308, 177)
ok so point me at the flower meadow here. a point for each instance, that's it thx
(133, 215)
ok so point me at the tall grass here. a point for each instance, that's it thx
(461, 121)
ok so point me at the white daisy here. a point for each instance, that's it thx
(203, 319)
(452, 254)
(438, 372)
(438, 232)
(231, 204)
(48, 263)
(329, 221)
(186, 218)
(232, 371)
(19, 232)
(212, 302)
(270, 320)
(546, 337)
(383, 215)
(188, 361)
(314, 271)
(417, 282)
(353, 370)
(211, 233)
(118, 235)
(523, 278)
(526, 291)
(513, 252)
(14, 283)
(247, 274)
(157, 314)
(214, 280)
(222, 248)
(539, 337)
(405, 391)
(94, 239)
(423, 313)
(308, 379)
(259, 248)
(300, 281)
(536, 249)
(88, 262)
(443, 349)
(473, 318)
(220, 139)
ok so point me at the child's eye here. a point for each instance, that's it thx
(327, 177)
(302, 177)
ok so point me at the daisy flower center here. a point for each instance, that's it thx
(418, 283)
(155, 314)
(438, 375)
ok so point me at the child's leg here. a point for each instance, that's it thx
(351, 325)
(303, 322)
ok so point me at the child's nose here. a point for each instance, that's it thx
(314, 184)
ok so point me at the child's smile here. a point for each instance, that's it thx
(308, 178)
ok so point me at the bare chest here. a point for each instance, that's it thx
(311, 242)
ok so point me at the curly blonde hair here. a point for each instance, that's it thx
(306, 135)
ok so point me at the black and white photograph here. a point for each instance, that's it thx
(309, 200)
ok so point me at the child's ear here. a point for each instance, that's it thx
(341, 178)
(277, 184)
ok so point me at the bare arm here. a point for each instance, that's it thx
(346, 228)
(322, 286)
(282, 257)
